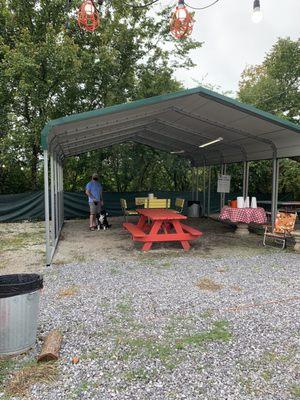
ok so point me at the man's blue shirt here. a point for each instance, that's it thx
(96, 189)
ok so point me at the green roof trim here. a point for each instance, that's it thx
(165, 97)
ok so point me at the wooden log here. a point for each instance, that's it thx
(51, 346)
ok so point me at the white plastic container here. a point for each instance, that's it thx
(253, 202)
(240, 202)
(247, 202)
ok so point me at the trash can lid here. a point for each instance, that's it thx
(16, 284)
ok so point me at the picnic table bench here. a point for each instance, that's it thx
(161, 225)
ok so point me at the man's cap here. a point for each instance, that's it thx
(95, 175)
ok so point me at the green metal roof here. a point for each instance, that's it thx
(200, 117)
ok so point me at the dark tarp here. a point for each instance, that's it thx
(30, 206)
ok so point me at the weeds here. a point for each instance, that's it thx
(30, 375)
(209, 285)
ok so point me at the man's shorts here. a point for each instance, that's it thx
(95, 208)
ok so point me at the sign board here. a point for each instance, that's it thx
(223, 183)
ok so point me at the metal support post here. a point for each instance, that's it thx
(47, 219)
(275, 180)
(208, 191)
(246, 179)
(52, 200)
(56, 197)
(224, 194)
(221, 194)
(197, 183)
(204, 190)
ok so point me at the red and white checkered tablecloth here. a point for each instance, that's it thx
(245, 215)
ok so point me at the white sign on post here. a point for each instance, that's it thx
(223, 183)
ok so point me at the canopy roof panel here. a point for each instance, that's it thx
(180, 121)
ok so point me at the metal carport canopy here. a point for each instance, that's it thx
(178, 121)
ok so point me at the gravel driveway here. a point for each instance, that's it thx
(177, 328)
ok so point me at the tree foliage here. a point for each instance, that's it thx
(273, 86)
(48, 71)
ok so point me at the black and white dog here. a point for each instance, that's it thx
(101, 220)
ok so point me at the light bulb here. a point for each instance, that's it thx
(257, 14)
(89, 8)
(181, 12)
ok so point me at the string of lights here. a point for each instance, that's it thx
(181, 21)
(204, 7)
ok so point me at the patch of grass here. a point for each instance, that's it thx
(30, 375)
(114, 271)
(295, 391)
(138, 374)
(20, 240)
(207, 314)
(266, 375)
(5, 368)
(124, 308)
(209, 285)
(80, 258)
(219, 332)
(70, 291)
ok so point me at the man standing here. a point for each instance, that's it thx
(94, 192)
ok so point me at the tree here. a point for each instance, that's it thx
(273, 86)
(48, 71)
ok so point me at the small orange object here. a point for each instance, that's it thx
(233, 204)
(75, 360)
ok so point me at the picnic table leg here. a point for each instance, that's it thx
(142, 222)
(154, 230)
(178, 229)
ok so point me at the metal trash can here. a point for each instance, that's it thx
(19, 308)
(194, 209)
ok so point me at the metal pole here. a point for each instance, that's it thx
(62, 194)
(193, 183)
(46, 196)
(221, 194)
(246, 179)
(204, 190)
(197, 183)
(208, 192)
(275, 180)
(56, 197)
(52, 200)
(224, 194)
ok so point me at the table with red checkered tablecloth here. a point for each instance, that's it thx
(244, 215)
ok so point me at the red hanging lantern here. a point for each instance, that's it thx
(182, 22)
(88, 17)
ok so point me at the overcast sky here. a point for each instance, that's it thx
(232, 41)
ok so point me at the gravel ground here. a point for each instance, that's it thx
(177, 328)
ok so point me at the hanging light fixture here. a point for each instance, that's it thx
(177, 152)
(257, 14)
(88, 16)
(182, 22)
(211, 142)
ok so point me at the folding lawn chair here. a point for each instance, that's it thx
(284, 226)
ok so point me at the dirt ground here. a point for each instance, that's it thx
(22, 247)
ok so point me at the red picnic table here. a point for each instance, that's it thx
(161, 225)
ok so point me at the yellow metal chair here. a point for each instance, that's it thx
(125, 210)
(179, 204)
(158, 203)
(284, 226)
(140, 201)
